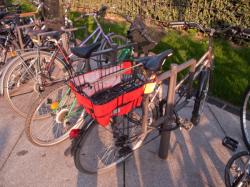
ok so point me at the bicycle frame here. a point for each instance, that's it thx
(207, 62)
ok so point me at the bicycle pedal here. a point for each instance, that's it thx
(230, 143)
(186, 124)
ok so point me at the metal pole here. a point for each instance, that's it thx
(165, 135)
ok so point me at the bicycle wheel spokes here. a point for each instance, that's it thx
(20, 86)
(237, 170)
(24, 78)
(54, 116)
(103, 148)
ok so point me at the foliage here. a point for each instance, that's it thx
(26, 5)
(206, 12)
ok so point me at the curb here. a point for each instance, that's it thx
(224, 105)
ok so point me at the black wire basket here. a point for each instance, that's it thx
(108, 92)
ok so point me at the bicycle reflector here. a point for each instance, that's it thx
(149, 88)
(12, 53)
(54, 105)
(74, 133)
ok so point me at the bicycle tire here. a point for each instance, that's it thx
(243, 117)
(12, 45)
(19, 109)
(200, 96)
(230, 163)
(38, 104)
(83, 145)
(115, 38)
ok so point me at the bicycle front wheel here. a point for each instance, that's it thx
(245, 118)
(100, 148)
(60, 112)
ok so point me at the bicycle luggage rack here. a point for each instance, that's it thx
(171, 75)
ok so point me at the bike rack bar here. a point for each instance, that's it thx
(19, 33)
(27, 14)
(165, 135)
(172, 75)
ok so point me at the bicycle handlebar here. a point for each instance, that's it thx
(100, 12)
(143, 31)
(194, 25)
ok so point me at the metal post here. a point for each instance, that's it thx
(20, 37)
(165, 135)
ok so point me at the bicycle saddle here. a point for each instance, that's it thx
(85, 52)
(154, 63)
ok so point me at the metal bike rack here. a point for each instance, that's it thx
(171, 75)
(19, 33)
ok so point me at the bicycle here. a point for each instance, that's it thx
(245, 117)
(237, 170)
(27, 61)
(119, 124)
(60, 112)
(65, 116)
(8, 36)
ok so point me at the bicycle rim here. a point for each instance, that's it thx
(61, 114)
(245, 118)
(101, 149)
(235, 168)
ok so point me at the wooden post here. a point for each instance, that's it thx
(165, 135)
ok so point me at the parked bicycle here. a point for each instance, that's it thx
(237, 170)
(124, 111)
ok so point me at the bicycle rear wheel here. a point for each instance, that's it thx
(200, 96)
(60, 111)
(235, 170)
(118, 40)
(245, 118)
(100, 148)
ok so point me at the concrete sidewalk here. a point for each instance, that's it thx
(196, 158)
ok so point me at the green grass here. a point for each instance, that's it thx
(26, 5)
(232, 63)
